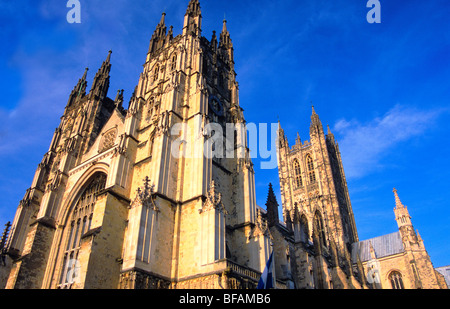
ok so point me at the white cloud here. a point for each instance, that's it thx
(364, 145)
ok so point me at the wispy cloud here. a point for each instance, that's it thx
(364, 145)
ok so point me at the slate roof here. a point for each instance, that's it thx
(383, 246)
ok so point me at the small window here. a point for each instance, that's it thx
(155, 74)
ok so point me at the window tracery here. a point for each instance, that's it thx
(78, 224)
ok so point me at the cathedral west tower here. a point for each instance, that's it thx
(149, 196)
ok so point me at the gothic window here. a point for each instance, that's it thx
(173, 65)
(298, 174)
(78, 224)
(310, 165)
(156, 73)
(396, 280)
(149, 109)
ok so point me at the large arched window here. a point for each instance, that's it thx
(396, 280)
(298, 174)
(79, 223)
(310, 165)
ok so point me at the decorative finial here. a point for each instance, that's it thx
(109, 56)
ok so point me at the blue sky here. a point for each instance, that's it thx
(382, 88)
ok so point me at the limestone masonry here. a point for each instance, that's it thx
(121, 201)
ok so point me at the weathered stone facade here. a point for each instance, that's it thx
(319, 225)
(148, 197)
(136, 198)
(317, 246)
(398, 260)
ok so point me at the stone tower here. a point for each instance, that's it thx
(398, 260)
(316, 204)
(420, 272)
(152, 196)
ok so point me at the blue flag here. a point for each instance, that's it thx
(266, 280)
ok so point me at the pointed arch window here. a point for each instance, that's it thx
(173, 64)
(298, 174)
(156, 74)
(396, 280)
(310, 166)
(79, 223)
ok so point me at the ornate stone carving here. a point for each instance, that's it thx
(136, 279)
(260, 227)
(213, 200)
(145, 196)
(108, 140)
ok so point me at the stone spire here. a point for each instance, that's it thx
(398, 203)
(316, 125)
(330, 135)
(119, 99)
(100, 84)
(401, 212)
(193, 19)
(214, 41)
(193, 8)
(79, 90)
(225, 44)
(282, 140)
(298, 140)
(159, 35)
(272, 207)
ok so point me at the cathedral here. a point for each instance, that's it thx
(147, 197)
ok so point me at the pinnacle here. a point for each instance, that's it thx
(224, 28)
(108, 59)
(193, 7)
(398, 203)
(85, 73)
(271, 199)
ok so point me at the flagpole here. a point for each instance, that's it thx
(267, 279)
(274, 281)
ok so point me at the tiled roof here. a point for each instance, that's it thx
(385, 245)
